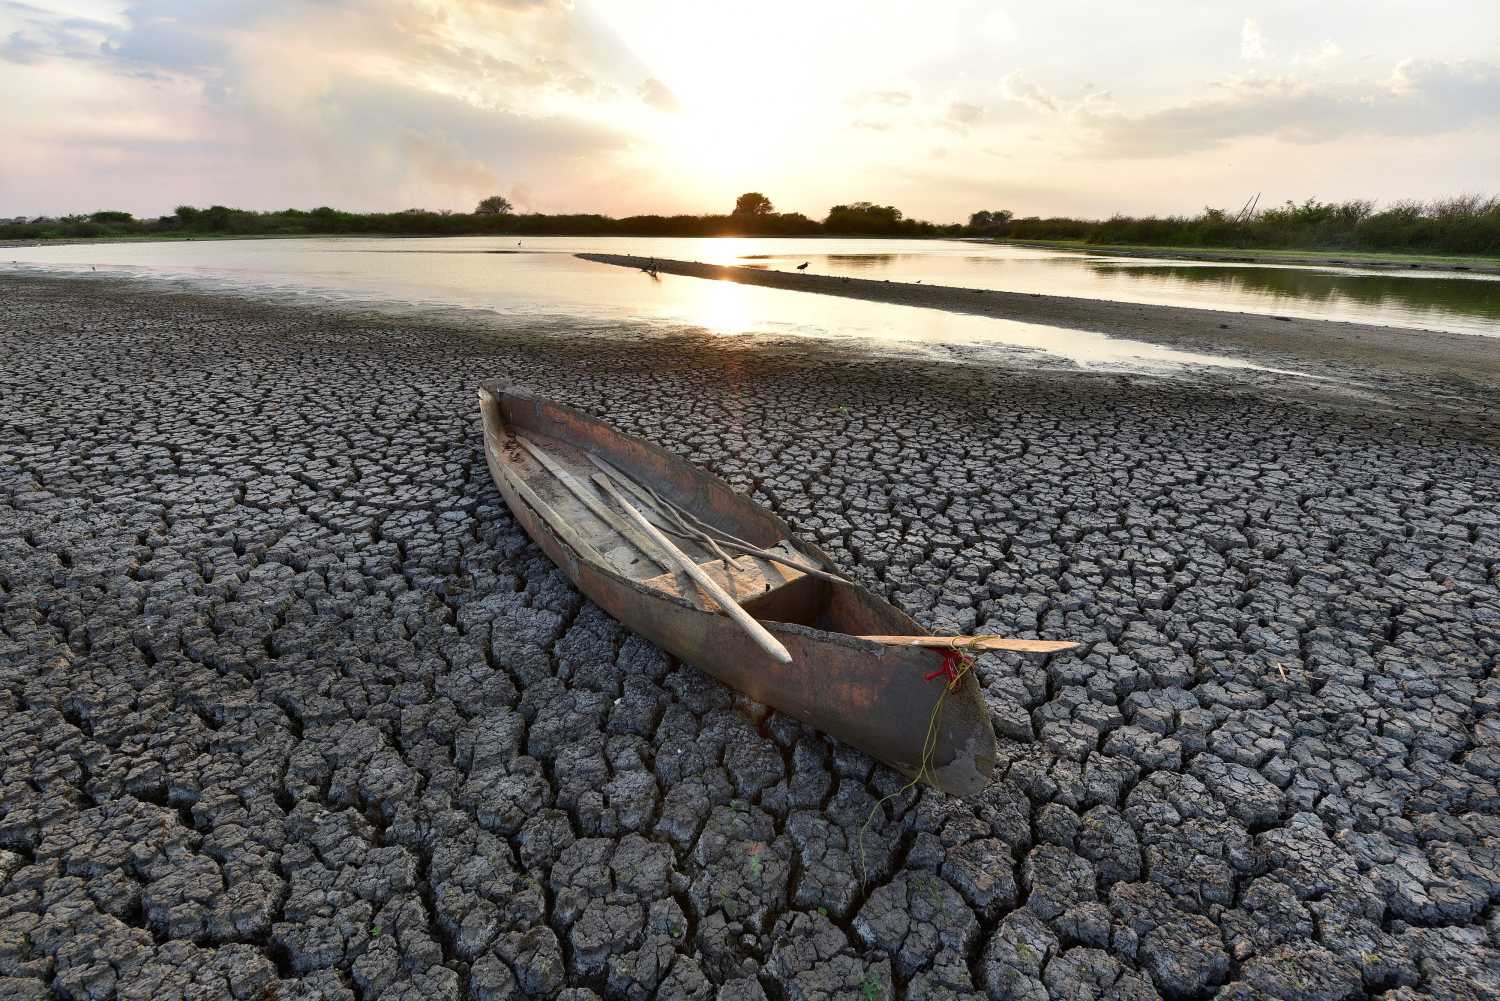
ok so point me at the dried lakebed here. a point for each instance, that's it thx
(289, 707)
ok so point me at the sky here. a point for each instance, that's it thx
(1065, 107)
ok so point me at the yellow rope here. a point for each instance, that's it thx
(929, 749)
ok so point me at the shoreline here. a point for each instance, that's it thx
(1349, 346)
(1367, 259)
(205, 237)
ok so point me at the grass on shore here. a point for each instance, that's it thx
(1387, 257)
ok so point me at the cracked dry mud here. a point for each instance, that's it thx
(289, 707)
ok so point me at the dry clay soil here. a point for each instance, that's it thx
(290, 708)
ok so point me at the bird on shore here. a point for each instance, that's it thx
(803, 265)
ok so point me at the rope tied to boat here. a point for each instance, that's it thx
(955, 664)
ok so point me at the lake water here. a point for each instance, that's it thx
(536, 277)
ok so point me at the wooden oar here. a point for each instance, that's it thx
(689, 566)
(975, 643)
(603, 513)
(686, 521)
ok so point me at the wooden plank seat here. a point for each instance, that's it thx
(748, 579)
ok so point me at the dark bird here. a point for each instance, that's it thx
(803, 265)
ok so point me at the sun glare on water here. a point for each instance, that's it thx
(719, 307)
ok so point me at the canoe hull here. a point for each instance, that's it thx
(875, 697)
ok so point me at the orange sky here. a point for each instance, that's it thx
(940, 108)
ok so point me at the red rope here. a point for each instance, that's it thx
(952, 661)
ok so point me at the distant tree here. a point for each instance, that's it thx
(215, 217)
(863, 217)
(988, 221)
(494, 205)
(111, 217)
(753, 203)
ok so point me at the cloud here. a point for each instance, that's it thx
(437, 161)
(1252, 41)
(1419, 97)
(890, 97)
(962, 114)
(41, 34)
(1321, 55)
(1016, 87)
(657, 94)
(306, 101)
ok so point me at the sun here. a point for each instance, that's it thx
(721, 143)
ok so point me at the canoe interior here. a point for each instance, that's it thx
(768, 590)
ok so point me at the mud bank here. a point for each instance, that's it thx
(290, 707)
(1281, 341)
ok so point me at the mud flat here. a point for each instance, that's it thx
(289, 707)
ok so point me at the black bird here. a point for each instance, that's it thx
(803, 265)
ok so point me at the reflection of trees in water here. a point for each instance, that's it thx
(1453, 295)
(853, 261)
(866, 260)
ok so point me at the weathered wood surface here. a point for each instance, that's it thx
(770, 644)
(746, 578)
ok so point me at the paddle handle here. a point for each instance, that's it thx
(770, 644)
(975, 643)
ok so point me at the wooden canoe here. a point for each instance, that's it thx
(879, 697)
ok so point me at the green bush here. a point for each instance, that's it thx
(1468, 224)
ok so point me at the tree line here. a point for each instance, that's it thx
(1467, 224)
(753, 215)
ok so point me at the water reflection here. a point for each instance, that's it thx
(544, 275)
(1469, 304)
(864, 261)
(1414, 296)
(558, 286)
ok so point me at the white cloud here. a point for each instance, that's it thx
(1252, 41)
(1419, 97)
(1017, 88)
(1322, 55)
(962, 114)
(659, 96)
(361, 104)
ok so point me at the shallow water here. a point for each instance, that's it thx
(541, 277)
(1422, 299)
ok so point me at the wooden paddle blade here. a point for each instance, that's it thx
(975, 643)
